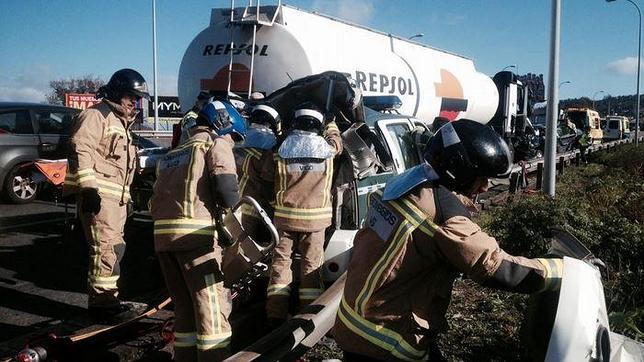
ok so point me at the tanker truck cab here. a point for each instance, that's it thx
(379, 148)
(586, 119)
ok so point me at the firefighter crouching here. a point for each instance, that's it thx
(196, 184)
(302, 171)
(100, 169)
(418, 237)
(251, 155)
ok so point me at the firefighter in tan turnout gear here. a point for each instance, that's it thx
(196, 184)
(417, 238)
(251, 156)
(101, 166)
(302, 172)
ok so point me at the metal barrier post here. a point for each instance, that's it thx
(562, 164)
(539, 175)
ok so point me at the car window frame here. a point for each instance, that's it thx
(29, 119)
(36, 121)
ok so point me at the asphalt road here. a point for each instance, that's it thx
(43, 273)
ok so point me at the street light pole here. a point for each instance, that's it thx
(553, 102)
(639, 65)
(419, 35)
(516, 67)
(154, 65)
(594, 94)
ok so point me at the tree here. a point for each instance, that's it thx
(85, 84)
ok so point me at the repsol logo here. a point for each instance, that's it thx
(387, 215)
(383, 83)
(224, 49)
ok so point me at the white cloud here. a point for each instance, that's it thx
(625, 66)
(357, 11)
(31, 84)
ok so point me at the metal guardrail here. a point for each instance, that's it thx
(153, 134)
(522, 169)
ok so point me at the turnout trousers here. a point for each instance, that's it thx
(202, 304)
(311, 248)
(104, 234)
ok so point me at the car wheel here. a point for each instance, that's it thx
(19, 186)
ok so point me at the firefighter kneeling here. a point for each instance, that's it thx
(418, 237)
(302, 173)
(196, 184)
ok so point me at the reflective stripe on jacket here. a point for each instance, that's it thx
(102, 154)
(189, 180)
(249, 165)
(405, 260)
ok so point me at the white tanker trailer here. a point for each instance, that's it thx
(263, 48)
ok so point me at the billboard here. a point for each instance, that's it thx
(168, 107)
(80, 101)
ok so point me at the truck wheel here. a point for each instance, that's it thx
(19, 186)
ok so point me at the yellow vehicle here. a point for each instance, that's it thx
(586, 120)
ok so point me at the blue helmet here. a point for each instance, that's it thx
(224, 119)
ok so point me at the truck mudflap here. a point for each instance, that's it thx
(246, 259)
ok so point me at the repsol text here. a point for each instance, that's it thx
(225, 49)
(382, 83)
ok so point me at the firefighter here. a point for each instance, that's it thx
(251, 155)
(302, 174)
(180, 130)
(100, 169)
(196, 185)
(417, 238)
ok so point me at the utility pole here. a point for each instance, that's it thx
(553, 102)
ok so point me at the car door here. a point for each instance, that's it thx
(18, 141)
(53, 127)
(396, 133)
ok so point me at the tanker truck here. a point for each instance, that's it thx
(263, 48)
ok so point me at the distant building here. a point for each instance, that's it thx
(535, 84)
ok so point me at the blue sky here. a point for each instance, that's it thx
(43, 40)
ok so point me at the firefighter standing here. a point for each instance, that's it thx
(302, 174)
(196, 184)
(418, 237)
(251, 155)
(180, 130)
(100, 170)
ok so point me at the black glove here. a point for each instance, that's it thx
(224, 238)
(90, 201)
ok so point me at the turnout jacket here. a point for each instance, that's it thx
(194, 180)
(404, 262)
(303, 187)
(102, 154)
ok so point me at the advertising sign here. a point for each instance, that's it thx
(168, 107)
(80, 101)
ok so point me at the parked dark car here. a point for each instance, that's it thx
(31, 131)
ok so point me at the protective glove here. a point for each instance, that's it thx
(90, 201)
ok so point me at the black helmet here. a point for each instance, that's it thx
(124, 81)
(307, 117)
(265, 114)
(464, 150)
